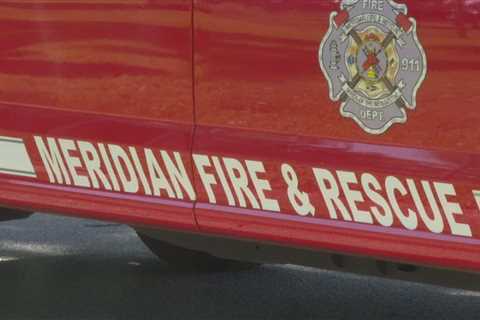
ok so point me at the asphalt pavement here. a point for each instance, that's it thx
(64, 268)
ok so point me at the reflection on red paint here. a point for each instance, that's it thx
(260, 95)
(129, 58)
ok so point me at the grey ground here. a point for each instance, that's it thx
(63, 268)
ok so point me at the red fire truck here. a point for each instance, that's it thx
(339, 134)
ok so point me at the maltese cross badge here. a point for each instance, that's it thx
(373, 62)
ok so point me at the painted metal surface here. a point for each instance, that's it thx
(120, 72)
(113, 72)
(260, 95)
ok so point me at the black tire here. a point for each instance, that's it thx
(8, 214)
(190, 260)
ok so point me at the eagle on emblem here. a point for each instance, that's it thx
(374, 62)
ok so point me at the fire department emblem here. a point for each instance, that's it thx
(373, 62)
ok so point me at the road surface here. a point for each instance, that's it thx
(64, 268)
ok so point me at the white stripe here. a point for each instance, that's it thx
(476, 195)
(20, 174)
(14, 158)
(11, 139)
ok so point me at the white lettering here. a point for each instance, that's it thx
(141, 173)
(178, 175)
(239, 178)
(353, 197)
(157, 177)
(370, 184)
(73, 162)
(108, 165)
(261, 185)
(208, 180)
(436, 224)
(223, 181)
(393, 186)
(93, 165)
(331, 194)
(121, 161)
(52, 161)
(451, 209)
